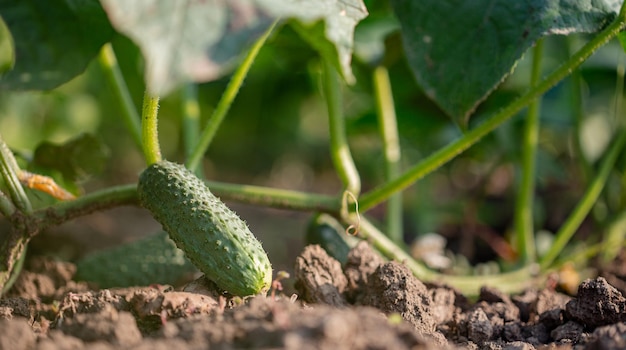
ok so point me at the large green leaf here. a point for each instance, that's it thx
(54, 40)
(198, 40)
(461, 50)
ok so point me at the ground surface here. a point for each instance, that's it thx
(365, 304)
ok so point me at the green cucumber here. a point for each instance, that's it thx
(326, 231)
(149, 260)
(212, 236)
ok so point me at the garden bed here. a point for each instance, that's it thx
(366, 304)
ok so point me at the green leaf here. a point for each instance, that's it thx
(76, 159)
(54, 40)
(461, 50)
(7, 56)
(199, 40)
(370, 36)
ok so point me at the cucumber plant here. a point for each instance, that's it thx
(456, 51)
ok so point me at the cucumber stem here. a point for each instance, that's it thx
(339, 149)
(226, 101)
(388, 126)
(586, 203)
(149, 129)
(113, 74)
(9, 170)
(524, 223)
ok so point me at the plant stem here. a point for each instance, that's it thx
(525, 197)
(577, 103)
(149, 128)
(277, 198)
(113, 74)
(127, 195)
(339, 149)
(9, 170)
(100, 200)
(510, 282)
(391, 147)
(6, 206)
(592, 193)
(15, 273)
(226, 101)
(436, 160)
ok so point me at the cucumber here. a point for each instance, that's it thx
(152, 259)
(326, 231)
(212, 236)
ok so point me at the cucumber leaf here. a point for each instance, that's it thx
(199, 40)
(54, 40)
(75, 159)
(460, 51)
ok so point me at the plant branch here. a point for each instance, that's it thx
(577, 104)
(226, 101)
(149, 129)
(113, 74)
(510, 282)
(6, 206)
(127, 195)
(9, 170)
(524, 227)
(436, 160)
(339, 149)
(277, 198)
(589, 198)
(388, 127)
(100, 200)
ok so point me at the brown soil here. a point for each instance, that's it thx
(365, 304)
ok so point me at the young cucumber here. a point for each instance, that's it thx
(214, 238)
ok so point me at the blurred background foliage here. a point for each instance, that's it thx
(276, 134)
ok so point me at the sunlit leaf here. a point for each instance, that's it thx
(460, 50)
(199, 40)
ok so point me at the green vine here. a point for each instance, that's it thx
(113, 74)
(339, 149)
(226, 101)
(525, 197)
(391, 147)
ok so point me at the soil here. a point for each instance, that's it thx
(365, 304)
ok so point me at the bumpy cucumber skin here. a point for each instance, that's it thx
(212, 236)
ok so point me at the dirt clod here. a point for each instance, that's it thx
(362, 262)
(394, 289)
(319, 277)
(597, 304)
(115, 327)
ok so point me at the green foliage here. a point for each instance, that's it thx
(54, 40)
(198, 41)
(460, 51)
(75, 159)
